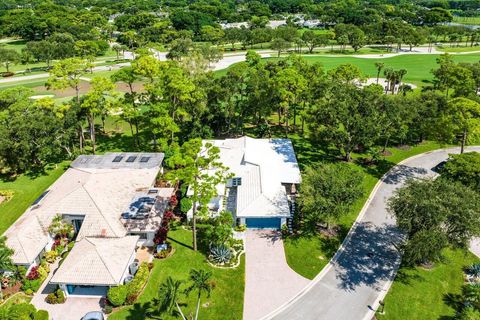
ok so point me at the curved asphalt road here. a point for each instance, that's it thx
(362, 270)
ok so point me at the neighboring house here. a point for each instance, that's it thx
(266, 174)
(93, 194)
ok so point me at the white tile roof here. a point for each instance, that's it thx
(27, 238)
(100, 194)
(263, 165)
(97, 261)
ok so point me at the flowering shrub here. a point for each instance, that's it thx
(167, 217)
(33, 274)
(161, 235)
(173, 201)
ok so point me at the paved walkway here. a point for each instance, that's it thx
(73, 309)
(361, 272)
(269, 281)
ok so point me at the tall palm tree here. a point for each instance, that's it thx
(200, 283)
(168, 293)
(379, 66)
(6, 262)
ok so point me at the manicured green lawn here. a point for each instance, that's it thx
(427, 294)
(467, 20)
(418, 66)
(26, 188)
(458, 49)
(225, 302)
(308, 254)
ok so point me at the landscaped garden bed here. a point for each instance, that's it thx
(225, 302)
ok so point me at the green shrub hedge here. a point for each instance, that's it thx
(41, 315)
(32, 285)
(117, 295)
(22, 311)
(137, 284)
(128, 293)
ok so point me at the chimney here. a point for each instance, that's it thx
(104, 233)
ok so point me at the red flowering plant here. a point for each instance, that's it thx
(33, 274)
(167, 217)
(161, 235)
(173, 201)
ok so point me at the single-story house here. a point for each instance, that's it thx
(93, 195)
(265, 175)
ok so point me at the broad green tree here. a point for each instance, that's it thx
(346, 117)
(9, 57)
(434, 214)
(461, 120)
(464, 168)
(328, 192)
(280, 45)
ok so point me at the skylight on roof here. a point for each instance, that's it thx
(144, 159)
(131, 159)
(117, 159)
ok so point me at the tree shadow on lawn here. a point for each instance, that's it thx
(35, 172)
(180, 243)
(328, 245)
(115, 141)
(141, 311)
(454, 301)
(369, 258)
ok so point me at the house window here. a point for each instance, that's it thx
(117, 159)
(236, 182)
(144, 159)
(131, 158)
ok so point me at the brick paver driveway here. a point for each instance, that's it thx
(269, 281)
(73, 309)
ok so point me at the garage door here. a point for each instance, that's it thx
(263, 223)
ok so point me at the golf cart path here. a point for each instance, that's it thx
(362, 270)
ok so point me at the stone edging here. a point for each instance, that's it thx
(239, 260)
(13, 295)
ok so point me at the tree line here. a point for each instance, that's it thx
(178, 100)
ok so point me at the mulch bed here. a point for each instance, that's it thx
(11, 290)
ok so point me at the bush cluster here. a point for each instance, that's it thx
(128, 293)
(41, 315)
(56, 297)
(33, 274)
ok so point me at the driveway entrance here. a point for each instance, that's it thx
(269, 281)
